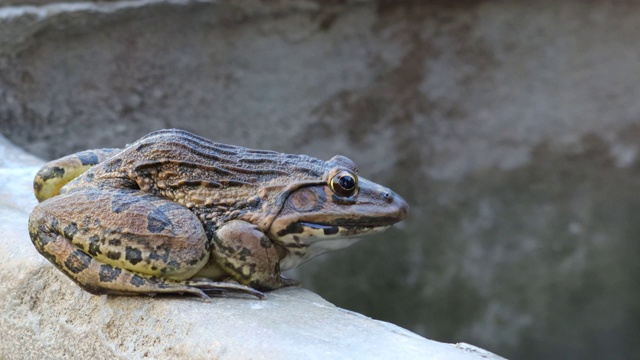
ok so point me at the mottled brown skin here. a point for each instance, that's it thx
(177, 213)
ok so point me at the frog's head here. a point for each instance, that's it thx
(330, 214)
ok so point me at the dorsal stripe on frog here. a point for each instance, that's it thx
(233, 164)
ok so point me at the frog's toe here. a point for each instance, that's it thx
(199, 293)
(223, 288)
(289, 282)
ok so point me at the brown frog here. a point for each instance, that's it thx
(177, 213)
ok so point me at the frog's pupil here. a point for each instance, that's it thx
(347, 182)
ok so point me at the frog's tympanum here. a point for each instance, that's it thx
(177, 213)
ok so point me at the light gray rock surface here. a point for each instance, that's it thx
(44, 315)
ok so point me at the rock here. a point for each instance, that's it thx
(43, 314)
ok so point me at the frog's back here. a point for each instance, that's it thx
(176, 164)
(177, 155)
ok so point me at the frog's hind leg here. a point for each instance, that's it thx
(98, 278)
(127, 243)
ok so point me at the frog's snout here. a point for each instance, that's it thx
(398, 206)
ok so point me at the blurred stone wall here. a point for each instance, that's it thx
(512, 128)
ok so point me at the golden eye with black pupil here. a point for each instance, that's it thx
(344, 184)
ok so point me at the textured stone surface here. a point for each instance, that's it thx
(43, 314)
(512, 128)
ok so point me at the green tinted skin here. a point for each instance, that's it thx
(176, 213)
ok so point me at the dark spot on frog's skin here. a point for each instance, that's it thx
(137, 281)
(112, 165)
(51, 173)
(331, 230)
(193, 261)
(155, 255)
(244, 253)
(77, 261)
(166, 207)
(236, 269)
(70, 230)
(225, 249)
(122, 202)
(88, 158)
(296, 245)
(114, 255)
(157, 221)
(115, 242)
(109, 273)
(133, 255)
(89, 177)
(86, 223)
(173, 265)
(154, 268)
(293, 228)
(44, 235)
(94, 245)
(265, 243)
(54, 223)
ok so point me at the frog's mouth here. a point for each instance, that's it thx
(305, 233)
(342, 230)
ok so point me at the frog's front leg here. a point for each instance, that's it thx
(248, 256)
(124, 242)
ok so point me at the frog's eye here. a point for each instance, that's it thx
(344, 184)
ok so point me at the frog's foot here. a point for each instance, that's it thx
(221, 288)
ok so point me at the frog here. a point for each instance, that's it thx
(175, 213)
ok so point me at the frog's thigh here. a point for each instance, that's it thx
(104, 240)
(248, 255)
